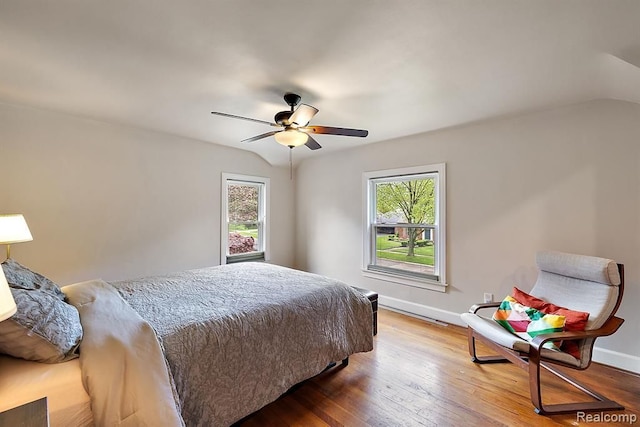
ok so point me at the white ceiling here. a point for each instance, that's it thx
(393, 67)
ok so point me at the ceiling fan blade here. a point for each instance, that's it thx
(312, 143)
(264, 135)
(233, 116)
(303, 115)
(335, 131)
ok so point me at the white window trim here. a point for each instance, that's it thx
(224, 223)
(369, 211)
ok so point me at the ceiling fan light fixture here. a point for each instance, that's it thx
(291, 138)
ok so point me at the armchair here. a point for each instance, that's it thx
(578, 282)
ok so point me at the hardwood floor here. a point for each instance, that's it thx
(420, 374)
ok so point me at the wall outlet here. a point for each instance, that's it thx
(488, 297)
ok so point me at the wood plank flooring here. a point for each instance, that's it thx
(420, 374)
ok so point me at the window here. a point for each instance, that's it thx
(244, 218)
(404, 236)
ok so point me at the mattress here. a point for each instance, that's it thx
(22, 381)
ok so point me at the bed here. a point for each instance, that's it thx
(203, 347)
(23, 381)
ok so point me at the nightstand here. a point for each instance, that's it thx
(372, 296)
(32, 414)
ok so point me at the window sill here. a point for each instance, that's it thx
(407, 281)
(253, 256)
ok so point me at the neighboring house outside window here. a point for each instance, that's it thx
(244, 231)
(404, 236)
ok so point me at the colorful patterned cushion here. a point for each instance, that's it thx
(528, 322)
(575, 320)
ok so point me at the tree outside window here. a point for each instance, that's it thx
(411, 201)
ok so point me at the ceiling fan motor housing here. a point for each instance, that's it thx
(292, 99)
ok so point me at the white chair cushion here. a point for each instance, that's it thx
(578, 282)
(490, 329)
(595, 298)
(592, 269)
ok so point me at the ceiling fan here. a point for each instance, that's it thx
(295, 125)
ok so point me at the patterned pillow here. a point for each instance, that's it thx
(43, 329)
(527, 322)
(575, 320)
(20, 277)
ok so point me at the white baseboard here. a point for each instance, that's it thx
(612, 358)
(412, 308)
(616, 359)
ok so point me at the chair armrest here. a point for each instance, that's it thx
(608, 328)
(474, 308)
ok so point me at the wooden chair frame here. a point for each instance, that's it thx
(534, 360)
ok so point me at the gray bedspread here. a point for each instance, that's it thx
(238, 336)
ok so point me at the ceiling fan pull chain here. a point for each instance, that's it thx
(290, 163)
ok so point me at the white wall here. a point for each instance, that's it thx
(566, 179)
(116, 202)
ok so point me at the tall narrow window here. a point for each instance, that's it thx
(244, 215)
(404, 236)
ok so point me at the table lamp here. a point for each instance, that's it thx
(13, 229)
(7, 304)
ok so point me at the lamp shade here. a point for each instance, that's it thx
(13, 229)
(291, 138)
(7, 304)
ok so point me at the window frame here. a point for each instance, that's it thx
(436, 282)
(263, 218)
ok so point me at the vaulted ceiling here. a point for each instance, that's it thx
(394, 68)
